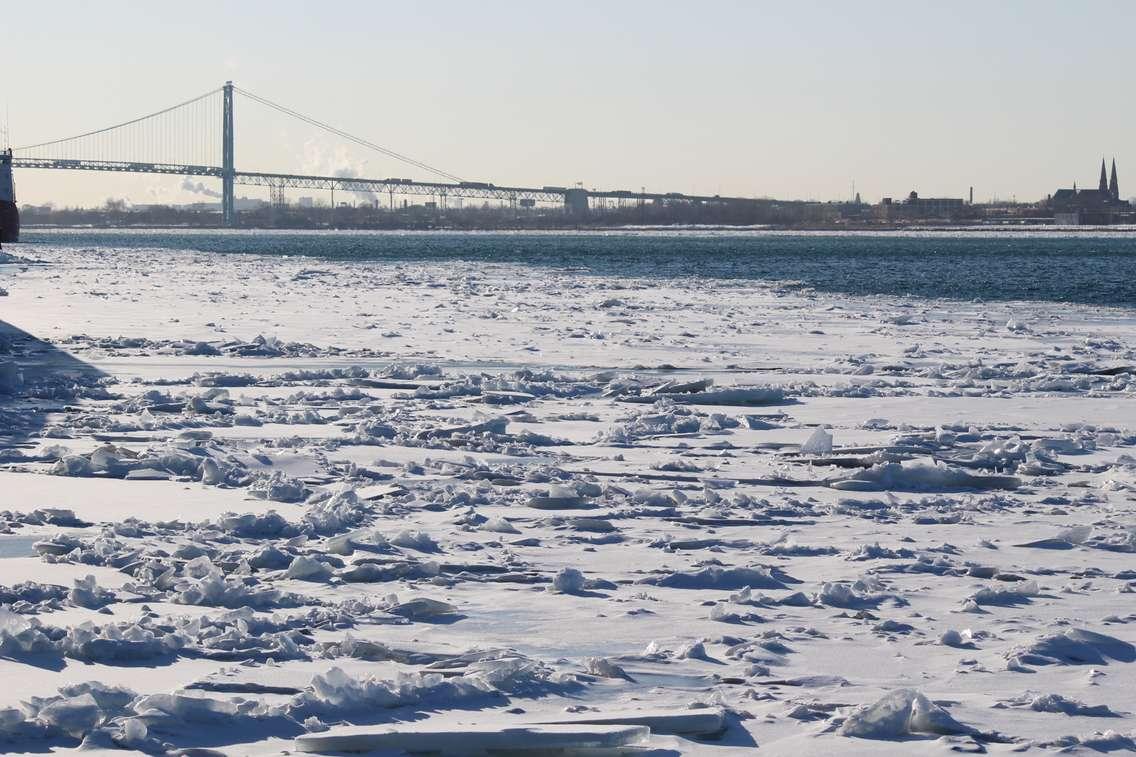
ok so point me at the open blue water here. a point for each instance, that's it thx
(1076, 267)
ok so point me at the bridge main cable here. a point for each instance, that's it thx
(131, 122)
(350, 137)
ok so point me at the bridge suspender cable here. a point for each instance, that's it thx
(264, 101)
(119, 126)
(357, 140)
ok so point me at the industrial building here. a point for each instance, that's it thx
(922, 208)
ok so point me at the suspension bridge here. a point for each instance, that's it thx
(196, 138)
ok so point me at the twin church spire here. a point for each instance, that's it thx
(1109, 186)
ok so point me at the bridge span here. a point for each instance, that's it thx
(98, 151)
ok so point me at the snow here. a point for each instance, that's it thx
(232, 525)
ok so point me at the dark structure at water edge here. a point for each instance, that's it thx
(9, 213)
(1098, 207)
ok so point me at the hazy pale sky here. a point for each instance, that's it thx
(793, 100)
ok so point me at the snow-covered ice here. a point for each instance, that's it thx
(465, 507)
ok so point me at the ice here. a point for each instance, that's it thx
(899, 714)
(336, 513)
(11, 377)
(739, 397)
(422, 608)
(1019, 594)
(419, 541)
(21, 636)
(87, 593)
(307, 569)
(119, 643)
(1059, 704)
(74, 716)
(482, 522)
(543, 739)
(704, 722)
(181, 708)
(604, 668)
(953, 638)
(406, 372)
(818, 443)
(719, 578)
(921, 477)
(1075, 646)
(336, 692)
(568, 581)
(558, 497)
(202, 583)
(866, 592)
(278, 488)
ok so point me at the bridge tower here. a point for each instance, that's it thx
(228, 207)
(576, 201)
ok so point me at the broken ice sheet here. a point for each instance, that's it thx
(262, 502)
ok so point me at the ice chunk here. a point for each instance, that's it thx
(901, 713)
(72, 465)
(306, 569)
(604, 668)
(485, 739)
(1020, 594)
(867, 592)
(715, 577)
(708, 721)
(417, 540)
(278, 488)
(952, 638)
(422, 608)
(558, 497)
(20, 636)
(819, 443)
(74, 716)
(1075, 646)
(920, 477)
(742, 396)
(568, 581)
(87, 593)
(1059, 704)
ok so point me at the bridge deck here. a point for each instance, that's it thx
(477, 190)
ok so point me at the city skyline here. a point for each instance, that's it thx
(890, 98)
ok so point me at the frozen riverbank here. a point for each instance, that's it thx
(465, 494)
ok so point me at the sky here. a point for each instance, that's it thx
(794, 100)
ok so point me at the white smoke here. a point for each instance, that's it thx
(337, 163)
(198, 188)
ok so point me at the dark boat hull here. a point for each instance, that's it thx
(9, 222)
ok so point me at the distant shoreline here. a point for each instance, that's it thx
(831, 228)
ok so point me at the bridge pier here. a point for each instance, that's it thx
(228, 172)
(9, 213)
(576, 202)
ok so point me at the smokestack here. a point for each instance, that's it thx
(972, 195)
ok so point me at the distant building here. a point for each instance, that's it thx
(934, 207)
(1100, 206)
(916, 208)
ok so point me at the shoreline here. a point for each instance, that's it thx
(567, 229)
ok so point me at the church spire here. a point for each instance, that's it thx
(1113, 185)
(1104, 179)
